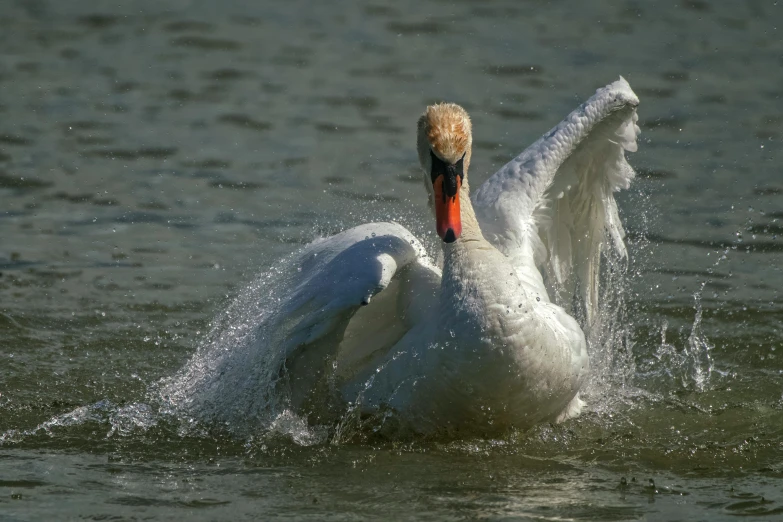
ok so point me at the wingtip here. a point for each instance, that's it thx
(624, 87)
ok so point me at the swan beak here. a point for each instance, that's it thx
(447, 216)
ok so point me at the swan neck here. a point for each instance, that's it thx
(470, 226)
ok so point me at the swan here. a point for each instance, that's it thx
(367, 320)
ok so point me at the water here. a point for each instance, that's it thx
(156, 157)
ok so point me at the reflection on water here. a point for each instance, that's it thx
(155, 157)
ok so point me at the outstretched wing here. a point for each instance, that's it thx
(552, 208)
(303, 323)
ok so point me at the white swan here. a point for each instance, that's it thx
(476, 348)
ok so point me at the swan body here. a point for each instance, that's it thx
(483, 344)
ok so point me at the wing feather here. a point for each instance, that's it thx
(271, 349)
(345, 272)
(552, 208)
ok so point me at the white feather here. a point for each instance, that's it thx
(554, 203)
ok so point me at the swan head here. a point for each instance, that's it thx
(444, 142)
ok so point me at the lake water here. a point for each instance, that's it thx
(156, 157)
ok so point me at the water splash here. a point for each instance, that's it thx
(296, 428)
(699, 349)
(691, 366)
(122, 421)
(610, 335)
(232, 380)
(700, 365)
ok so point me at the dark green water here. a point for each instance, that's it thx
(155, 157)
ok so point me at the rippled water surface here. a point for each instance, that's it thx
(156, 157)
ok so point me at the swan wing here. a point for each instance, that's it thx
(275, 345)
(360, 291)
(552, 208)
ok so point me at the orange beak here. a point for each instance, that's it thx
(447, 217)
